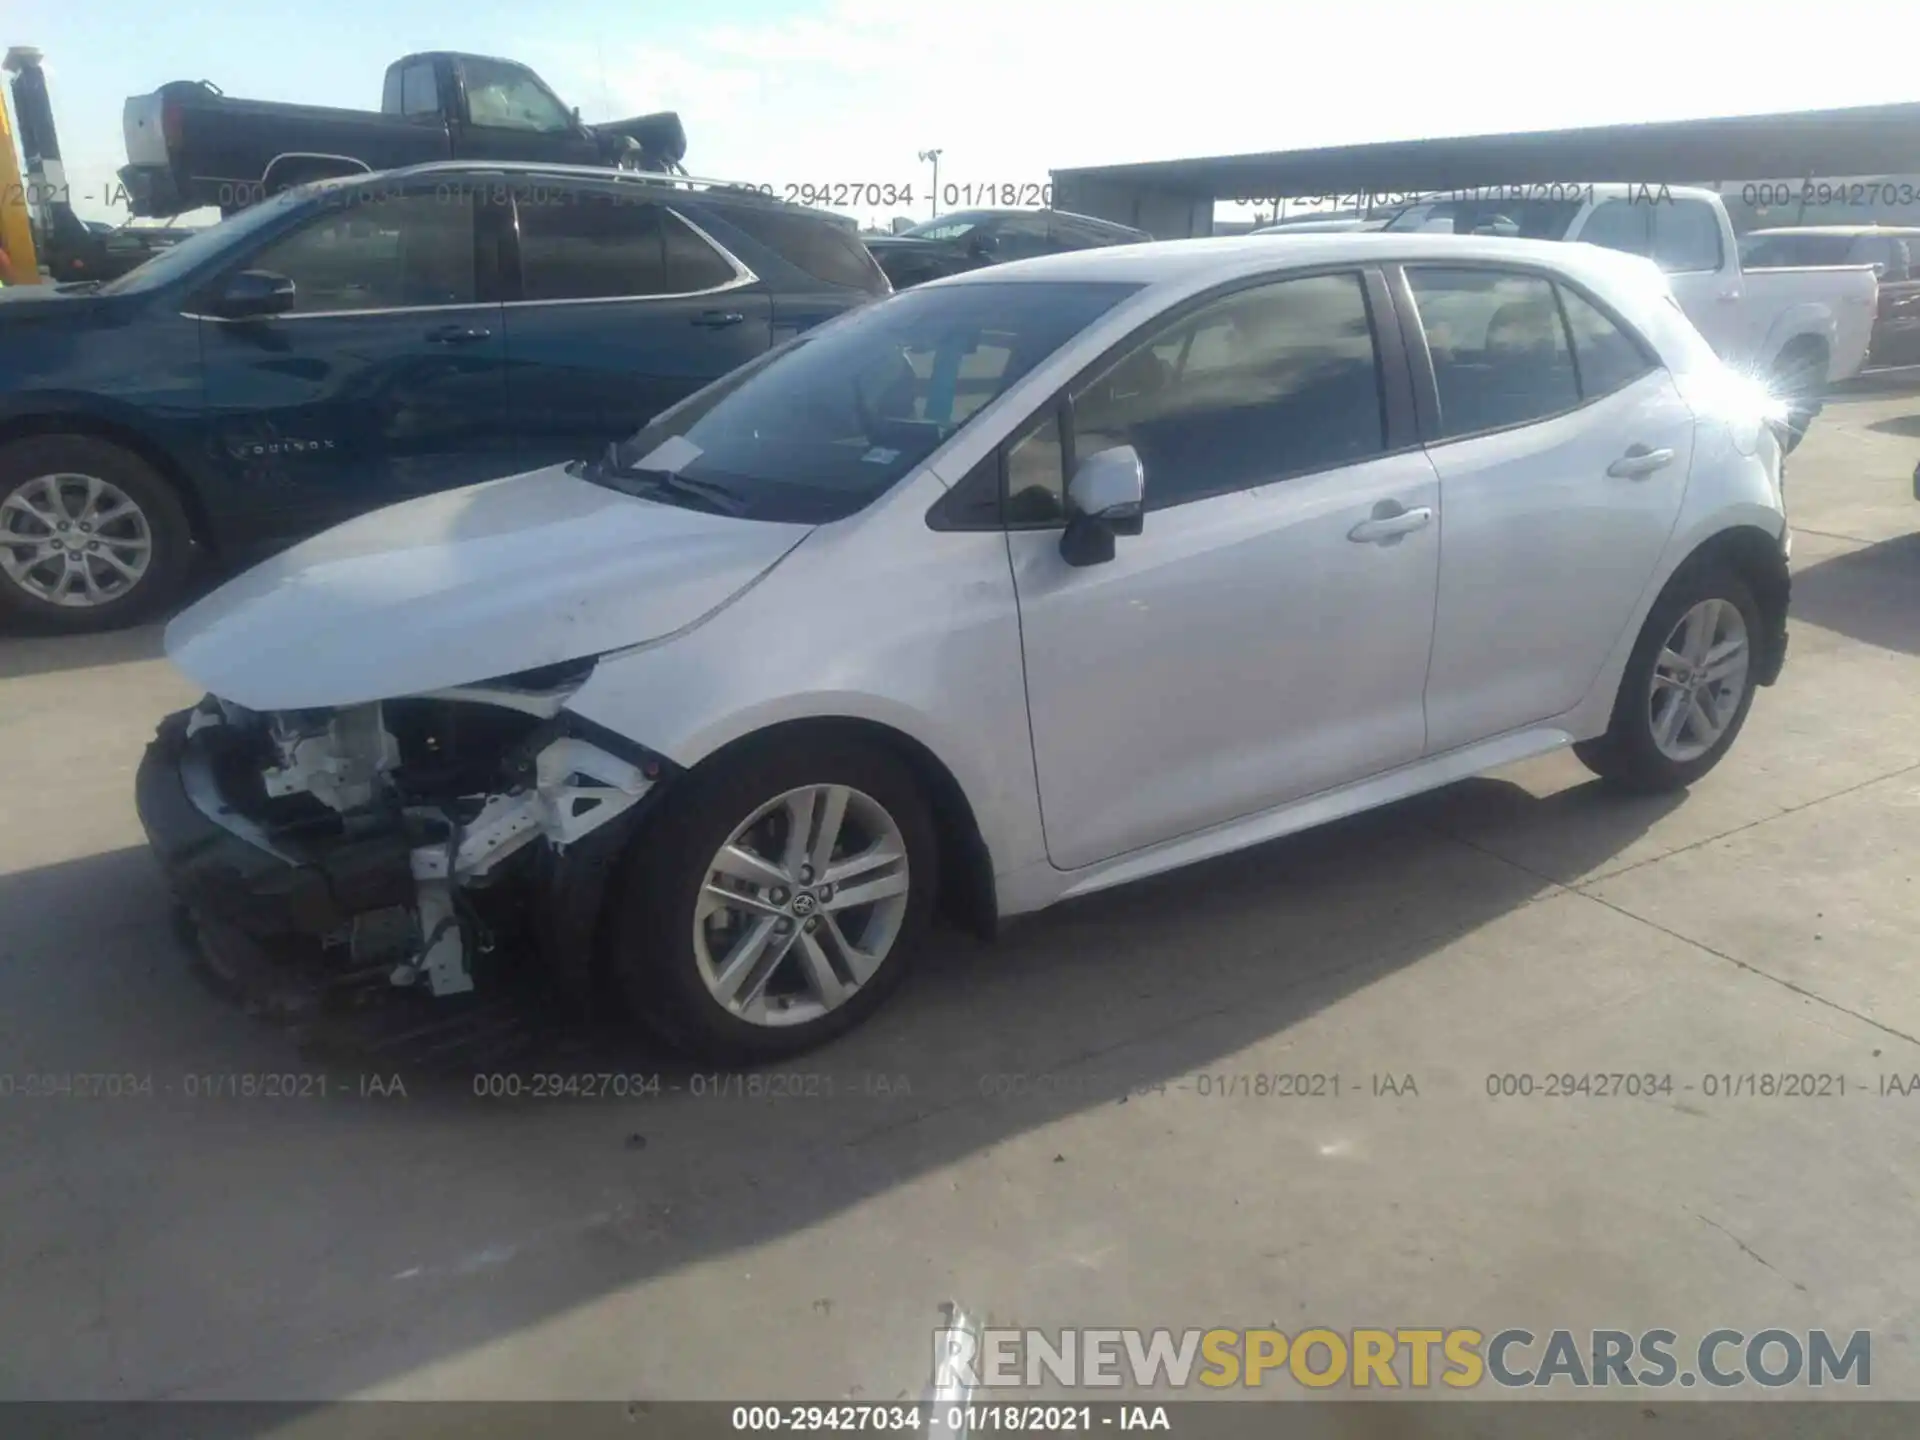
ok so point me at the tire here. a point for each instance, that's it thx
(50, 475)
(1631, 754)
(657, 956)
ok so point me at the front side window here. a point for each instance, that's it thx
(379, 252)
(849, 409)
(506, 97)
(1686, 236)
(594, 246)
(1500, 353)
(1269, 382)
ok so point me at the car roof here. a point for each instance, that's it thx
(1840, 230)
(1178, 262)
(990, 213)
(686, 187)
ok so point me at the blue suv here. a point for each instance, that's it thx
(347, 345)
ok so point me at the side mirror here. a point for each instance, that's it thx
(1105, 498)
(984, 246)
(255, 293)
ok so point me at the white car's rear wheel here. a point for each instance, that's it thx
(1687, 687)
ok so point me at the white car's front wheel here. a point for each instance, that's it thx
(776, 900)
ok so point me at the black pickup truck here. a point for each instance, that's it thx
(190, 146)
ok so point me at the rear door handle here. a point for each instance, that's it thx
(1390, 521)
(1639, 462)
(718, 319)
(457, 335)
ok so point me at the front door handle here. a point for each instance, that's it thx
(1639, 462)
(718, 319)
(457, 335)
(1390, 521)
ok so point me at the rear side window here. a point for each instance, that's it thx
(1686, 236)
(823, 249)
(1606, 356)
(1500, 353)
(419, 91)
(595, 246)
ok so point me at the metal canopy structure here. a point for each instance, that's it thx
(1175, 198)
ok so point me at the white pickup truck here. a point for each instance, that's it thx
(1801, 328)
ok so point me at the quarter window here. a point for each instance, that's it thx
(379, 252)
(1499, 349)
(595, 246)
(822, 248)
(1608, 358)
(1257, 386)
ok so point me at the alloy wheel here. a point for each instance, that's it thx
(801, 906)
(1699, 680)
(74, 540)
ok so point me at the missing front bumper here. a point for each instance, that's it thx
(417, 905)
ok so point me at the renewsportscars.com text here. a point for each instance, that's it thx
(1410, 1358)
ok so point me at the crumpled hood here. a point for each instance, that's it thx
(466, 585)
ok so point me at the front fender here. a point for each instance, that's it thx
(878, 619)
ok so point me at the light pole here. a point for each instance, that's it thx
(933, 158)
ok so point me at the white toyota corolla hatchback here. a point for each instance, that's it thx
(1009, 588)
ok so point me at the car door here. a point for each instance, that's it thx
(385, 380)
(1265, 636)
(1562, 464)
(624, 308)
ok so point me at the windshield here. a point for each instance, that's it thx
(1527, 219)
(198, 248)
(946, 227)
(1762, 252)
(825, 426)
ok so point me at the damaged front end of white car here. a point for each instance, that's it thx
(406, 844)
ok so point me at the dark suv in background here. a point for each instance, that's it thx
(341, 347)
(968, 239)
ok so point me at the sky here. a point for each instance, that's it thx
(849, 91)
